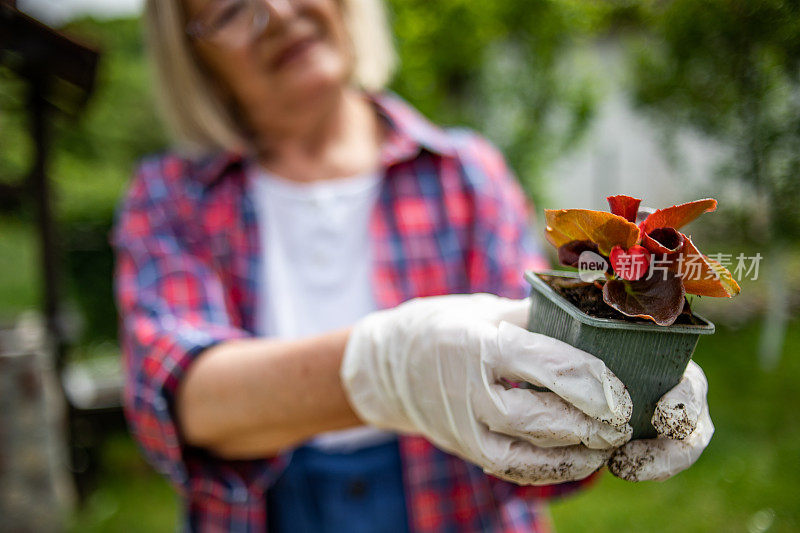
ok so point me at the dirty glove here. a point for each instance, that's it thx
(684, 426)
(441, 366)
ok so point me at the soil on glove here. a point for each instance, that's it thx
(588, 297)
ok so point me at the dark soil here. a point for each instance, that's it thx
(588, 297)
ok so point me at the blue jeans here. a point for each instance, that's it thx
(360, 491)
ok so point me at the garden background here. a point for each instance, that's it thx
(667, 100)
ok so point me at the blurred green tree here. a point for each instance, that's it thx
(92, 160)
(509, 68)
(731, 69)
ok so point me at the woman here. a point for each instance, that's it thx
(261, 377)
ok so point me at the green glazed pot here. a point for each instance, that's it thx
(649, 359)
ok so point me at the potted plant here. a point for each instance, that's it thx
(626, 304)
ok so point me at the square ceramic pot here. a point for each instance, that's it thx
(649, 359)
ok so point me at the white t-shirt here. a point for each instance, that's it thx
(316, 265)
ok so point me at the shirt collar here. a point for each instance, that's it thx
(211, 168)
(408, 133)
(409, 130)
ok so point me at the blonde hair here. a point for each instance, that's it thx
(197, 118)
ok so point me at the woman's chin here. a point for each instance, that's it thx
(313, 85)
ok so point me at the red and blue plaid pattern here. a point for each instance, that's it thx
(451, 218)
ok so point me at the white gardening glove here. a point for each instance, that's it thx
(684, 426)
(436, 367)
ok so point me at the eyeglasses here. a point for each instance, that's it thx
(232, 23)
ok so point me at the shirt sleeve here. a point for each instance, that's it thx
(504, 244)
(172, 306)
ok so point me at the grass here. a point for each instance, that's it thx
(747, 479)
(130, 497)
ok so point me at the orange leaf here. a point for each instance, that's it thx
(704, 276)
(678, 215)
(604, 229)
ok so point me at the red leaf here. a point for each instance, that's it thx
(657, 298)
(630, 264)
(677, 216)
(624, 206)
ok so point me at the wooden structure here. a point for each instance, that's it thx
(59, 76)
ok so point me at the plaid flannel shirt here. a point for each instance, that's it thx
(451, 218)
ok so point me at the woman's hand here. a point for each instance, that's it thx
(440, 367)
(684, 426)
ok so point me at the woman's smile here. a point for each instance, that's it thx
(294, 51)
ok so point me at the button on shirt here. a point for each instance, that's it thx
(316, 264)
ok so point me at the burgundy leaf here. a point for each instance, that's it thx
(663, 241)
(658, 298)
(569, 253)
(624, 206)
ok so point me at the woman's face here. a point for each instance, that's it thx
(303, 51)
